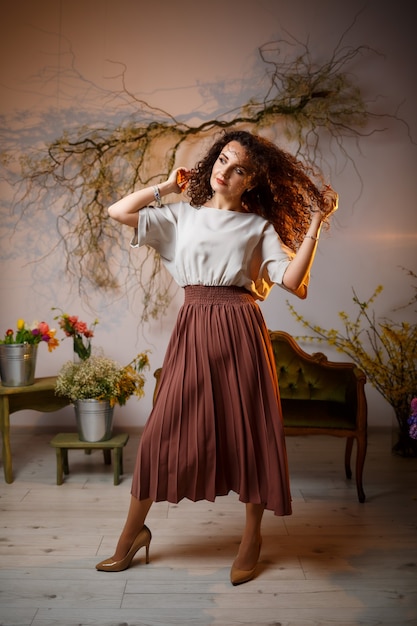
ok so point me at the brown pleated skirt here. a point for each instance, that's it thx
(216, 425)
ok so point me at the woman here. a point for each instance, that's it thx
(253, 220)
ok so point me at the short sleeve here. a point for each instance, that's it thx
(157, 227)
(276, 257)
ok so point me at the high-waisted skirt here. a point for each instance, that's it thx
(216, 424)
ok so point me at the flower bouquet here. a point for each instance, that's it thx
(102, 378)
(79, 331)
(32, 334)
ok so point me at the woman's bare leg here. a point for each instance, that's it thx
(248, 553)
(138, 510)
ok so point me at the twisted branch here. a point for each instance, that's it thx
(82, 172)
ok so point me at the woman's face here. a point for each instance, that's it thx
(230, 175)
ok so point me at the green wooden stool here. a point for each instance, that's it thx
(70, 441)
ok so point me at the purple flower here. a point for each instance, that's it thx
(35, 332)
(412, 420)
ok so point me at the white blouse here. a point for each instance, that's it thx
(207, 246)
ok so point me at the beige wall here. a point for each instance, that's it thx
(188, 57)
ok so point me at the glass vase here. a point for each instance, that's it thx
(82, 348)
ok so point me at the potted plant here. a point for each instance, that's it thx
(95, 386)
(18, 352)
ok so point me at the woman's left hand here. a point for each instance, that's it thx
(330, 201)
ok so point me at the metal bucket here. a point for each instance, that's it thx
(18, 364)
(94, 420)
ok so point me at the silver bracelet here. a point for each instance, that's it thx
(311, 237)
(157, 196)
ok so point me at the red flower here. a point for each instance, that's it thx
(43, 328)
(81, 328)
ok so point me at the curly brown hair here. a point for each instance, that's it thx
(282, 190)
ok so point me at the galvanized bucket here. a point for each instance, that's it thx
(94, 420)
(18, 364)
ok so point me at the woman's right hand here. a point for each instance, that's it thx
(177, 175)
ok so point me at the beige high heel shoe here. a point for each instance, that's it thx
(240, 576)
(143, 539)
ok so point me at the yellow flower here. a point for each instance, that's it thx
(384, 349)
(20, 324)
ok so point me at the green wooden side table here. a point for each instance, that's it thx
(70, 441)
(40, 397)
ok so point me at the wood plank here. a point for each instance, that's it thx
(334, 562)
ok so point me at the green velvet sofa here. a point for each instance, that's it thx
(321, 397)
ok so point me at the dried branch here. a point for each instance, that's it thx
(82, 172)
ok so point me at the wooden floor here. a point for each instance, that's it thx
(334, 562)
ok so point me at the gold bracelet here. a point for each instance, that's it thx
(311, 237)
